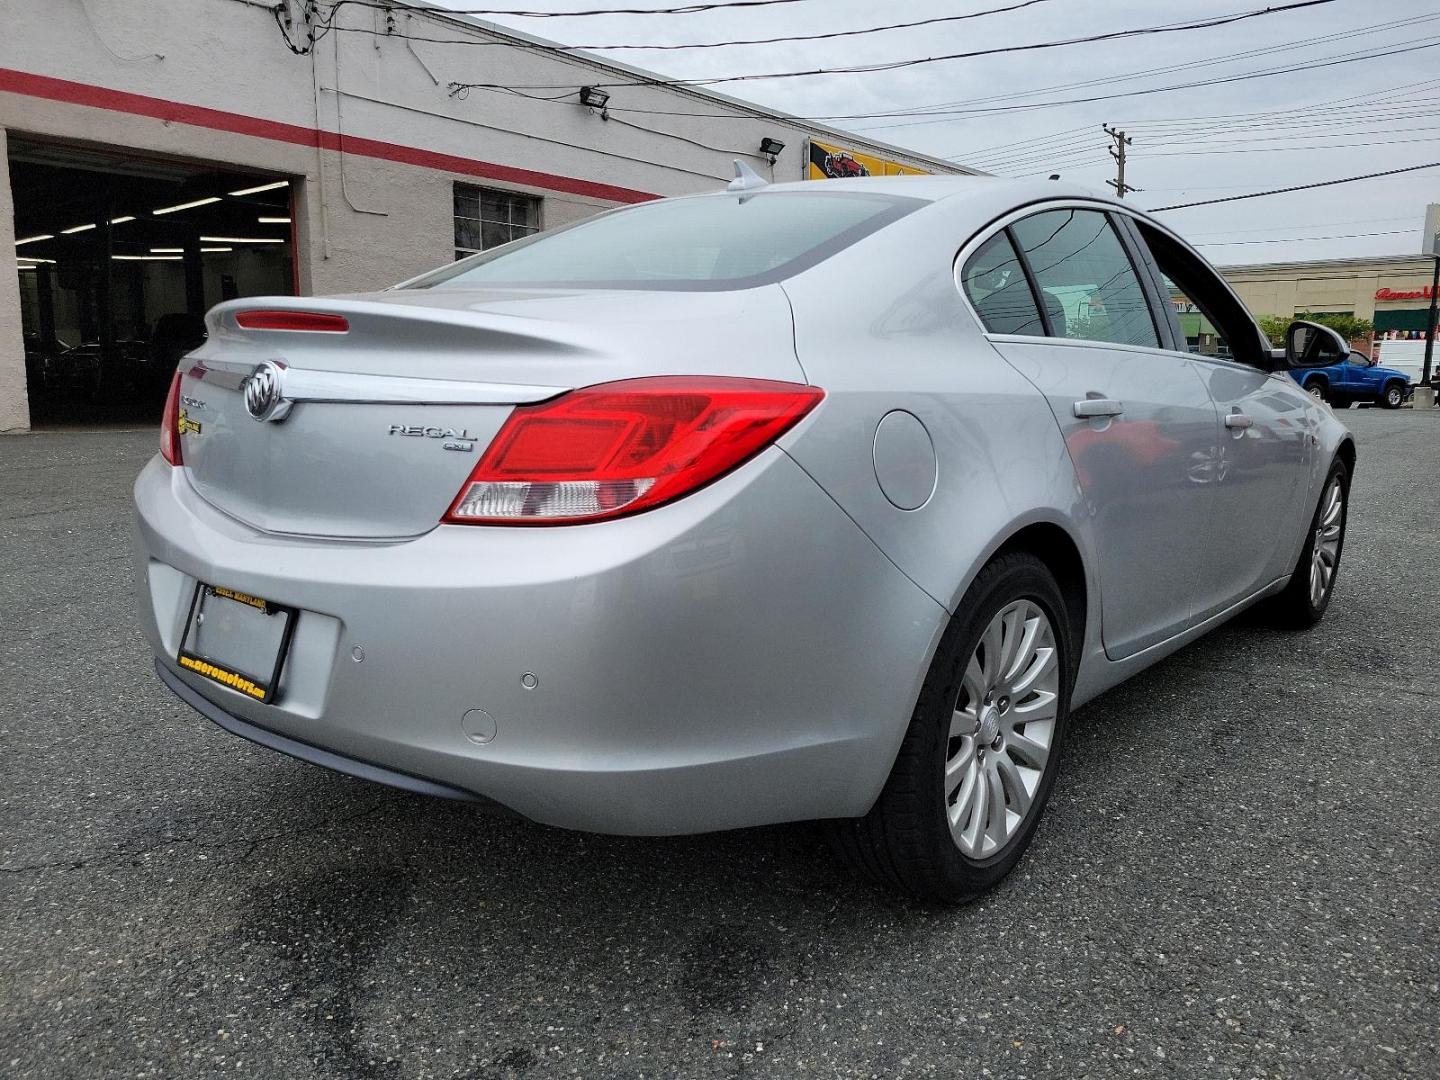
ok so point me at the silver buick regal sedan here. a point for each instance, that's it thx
(826, 500)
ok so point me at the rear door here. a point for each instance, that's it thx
(1136, 417)
(1264, 432)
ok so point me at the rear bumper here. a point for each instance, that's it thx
(301, 750)
(742, 657)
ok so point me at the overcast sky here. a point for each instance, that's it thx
(1194, 143)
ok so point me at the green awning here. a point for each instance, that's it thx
(1401, 319)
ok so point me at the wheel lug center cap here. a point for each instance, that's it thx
(989, 729)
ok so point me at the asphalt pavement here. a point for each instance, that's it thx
(1238, 875)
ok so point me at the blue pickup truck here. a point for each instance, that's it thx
(1356, 378)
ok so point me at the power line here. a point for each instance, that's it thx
(1271, 228)
(895, 65)
(1068, 157)
(684, 9)
(1294, 149)
(939, 110)
(1301, 239)
(1299, 187)
(829, 35)
(945, 114)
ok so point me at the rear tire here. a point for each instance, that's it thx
(979, 758)
(1393, 396)
(1305, 599)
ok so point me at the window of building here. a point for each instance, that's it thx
(485, 219)
(1086, 281)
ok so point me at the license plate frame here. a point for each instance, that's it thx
(254, 685)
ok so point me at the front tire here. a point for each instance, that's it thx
(1305, 599)
(1393, 396)
(1319, 389)
(979, 758)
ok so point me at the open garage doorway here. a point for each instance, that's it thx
(119, 258)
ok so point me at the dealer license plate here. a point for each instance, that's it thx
(237, 640)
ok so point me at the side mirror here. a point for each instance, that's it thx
(1309, 344)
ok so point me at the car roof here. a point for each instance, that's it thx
(935, 188)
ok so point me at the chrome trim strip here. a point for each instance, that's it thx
(303, 384)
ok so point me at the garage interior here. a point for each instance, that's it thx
(119, 258)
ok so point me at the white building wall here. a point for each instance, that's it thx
(212, 81)
(14, 408)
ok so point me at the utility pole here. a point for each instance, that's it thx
(1118, 153)
(1430, 322)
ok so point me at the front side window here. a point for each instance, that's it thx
(1208, 316)
(705, 242)
(485, 219)
(1086, 281)
(995, 284)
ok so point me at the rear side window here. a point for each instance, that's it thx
(705, 243)
(996, 287)
(1086, 281)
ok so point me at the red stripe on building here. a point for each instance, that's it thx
(100, 97)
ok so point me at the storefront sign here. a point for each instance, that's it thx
(835, 162)
(1405, 294)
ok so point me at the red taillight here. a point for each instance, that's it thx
(621, 447)
(310, 321)
(170, 424)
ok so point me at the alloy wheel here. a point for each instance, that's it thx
(1325, 551)
(1001, 729)
(1317, 392)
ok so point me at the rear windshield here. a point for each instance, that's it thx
(704, 243)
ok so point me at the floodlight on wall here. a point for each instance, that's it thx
(595, 98)
(771, 148)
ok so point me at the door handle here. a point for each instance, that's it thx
(1238, 421)
(1092, 408)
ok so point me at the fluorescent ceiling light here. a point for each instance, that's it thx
(187, 205)
(209, 251)
(26, 266)
(122, 220)
(77, 228)
(263, 187)
(274, 220)
(148, 258)
(33, 259)
(32, 239)
(242, 240)
(167, 251)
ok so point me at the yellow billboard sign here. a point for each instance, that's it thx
(837, 162)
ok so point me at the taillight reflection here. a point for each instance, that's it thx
(170, 424)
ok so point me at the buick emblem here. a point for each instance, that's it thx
(264, 392)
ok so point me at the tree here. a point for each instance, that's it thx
(1273, 327)
(1347, 326)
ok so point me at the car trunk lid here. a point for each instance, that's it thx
(368, 432)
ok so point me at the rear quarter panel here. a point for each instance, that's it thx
(882, 327)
